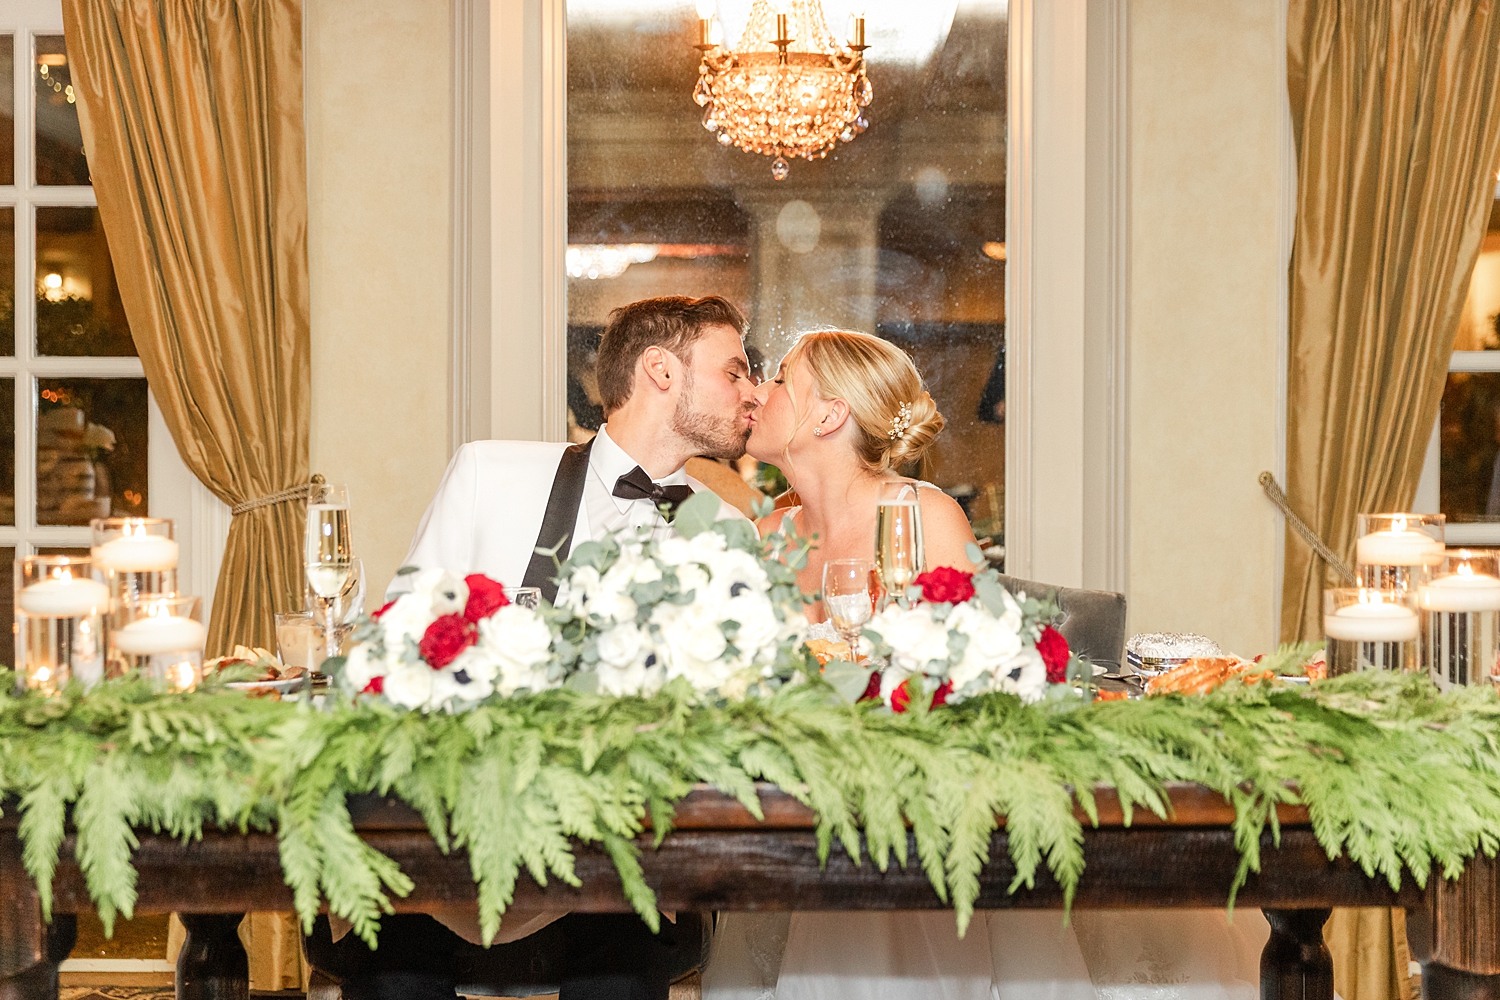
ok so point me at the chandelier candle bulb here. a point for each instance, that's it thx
(1461, 619)
(1370, 630)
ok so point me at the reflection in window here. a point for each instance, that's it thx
(900, 232)
(59, 139)
(1469, 436)
(7, 109)
(7, 455)
(8, 282)
(90, 449)
(78, 307)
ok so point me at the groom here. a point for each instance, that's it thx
(675, 384)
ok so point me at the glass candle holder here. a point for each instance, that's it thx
(161, 636)
(135, 556)
(1370, 629)
(1461, 618)
(59, 615)
(1397, 551)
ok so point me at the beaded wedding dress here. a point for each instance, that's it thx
(1006, 954)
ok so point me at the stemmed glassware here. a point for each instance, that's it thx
(898, 538)
(847, 599)
(328, 554)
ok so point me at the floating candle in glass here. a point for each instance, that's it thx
(161, 636)
(1397, 551)
(1370, 629)
(1461, 618)
(136, 555)
(59, 614)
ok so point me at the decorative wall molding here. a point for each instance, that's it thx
(461, 225)
(554, 228)
(1286, 229)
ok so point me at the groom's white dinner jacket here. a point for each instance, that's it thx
(489, 507)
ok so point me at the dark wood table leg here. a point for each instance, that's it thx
(212, 964)
(1296, 964)
(29, 949)
(1465, 961)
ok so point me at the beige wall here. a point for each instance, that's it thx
(1206, 98)
(379, 160)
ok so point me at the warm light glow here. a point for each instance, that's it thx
(706, 9)
(1464, 569)
(994, 250)
(51, 59)
(182, 676)
(607, 260)
(1399, 524)
(53, 280)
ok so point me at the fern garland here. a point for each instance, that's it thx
(1394, 775)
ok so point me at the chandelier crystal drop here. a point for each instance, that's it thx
(789, 88)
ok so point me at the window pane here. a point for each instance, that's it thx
(7, 282)
(7, 454)
(7, 109)
(7, 607)
(1470, 444)
(59, 140)
(899, 232)
(91, 449)
(78, 307)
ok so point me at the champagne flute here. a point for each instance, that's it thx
(898, 538)
(329, 554)
(847, 599)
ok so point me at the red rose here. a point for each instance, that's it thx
(445, 639)
(872, 689)
(901, 697)
(940, 696)
(377, 684)
(946, 585)
(383, 609)
(1054, 651)
(486, 596)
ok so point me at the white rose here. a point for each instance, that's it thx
(706, 544)
(410, 615)
(521, 644)
(635, 679)
(991, 642)
(361, 667)
(759, 628)
(622, 645)
(648, 571)
(674, 550)
(692, 578)
(409, 685)
(915, 639)
(576, 589)
(612, 606)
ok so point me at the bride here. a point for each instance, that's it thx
(844, 415)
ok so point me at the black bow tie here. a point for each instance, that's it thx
(636, 485)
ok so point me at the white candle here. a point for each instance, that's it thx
(1398, 548)
(1373, 621)
(136, 554)
(161, 634)
(1462, 592)
(64, 597)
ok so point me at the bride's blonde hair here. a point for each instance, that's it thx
(895, 420)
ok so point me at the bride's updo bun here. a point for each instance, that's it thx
(895, 419)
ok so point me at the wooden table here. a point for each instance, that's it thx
(721, 858)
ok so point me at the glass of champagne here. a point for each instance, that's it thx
(898, 538)
(329, 554)
(847, 599)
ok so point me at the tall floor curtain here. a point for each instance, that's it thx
(1396, 109)
(192, 122)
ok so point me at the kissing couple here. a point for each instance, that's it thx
(843, 415)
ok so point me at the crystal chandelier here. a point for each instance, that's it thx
(790, 89)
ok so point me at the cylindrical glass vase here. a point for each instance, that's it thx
(135, 556)
(1461, 618)
(59, 614)
(161, 636)
(1397, 551)
(1370, 630)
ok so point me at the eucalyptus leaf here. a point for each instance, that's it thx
(697, 513)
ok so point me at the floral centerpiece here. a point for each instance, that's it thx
(449, 643)
(956, 635)
(712, 604)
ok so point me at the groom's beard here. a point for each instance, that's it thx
(711, 435)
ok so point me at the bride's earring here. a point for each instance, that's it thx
(817, 432)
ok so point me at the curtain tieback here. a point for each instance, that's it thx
(1274, 493)
(271, 499)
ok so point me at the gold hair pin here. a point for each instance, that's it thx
(900, 422)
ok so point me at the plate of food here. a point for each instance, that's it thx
(260, 673)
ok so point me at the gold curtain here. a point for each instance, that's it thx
(192, 122)
(1396, 110)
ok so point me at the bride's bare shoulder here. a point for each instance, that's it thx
(945, 528)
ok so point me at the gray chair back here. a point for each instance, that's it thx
(1093, 621)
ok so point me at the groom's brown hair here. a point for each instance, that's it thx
(672, 322)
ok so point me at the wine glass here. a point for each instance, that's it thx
(526, 597)
(898, 537)
(329, 554)
(847, 598)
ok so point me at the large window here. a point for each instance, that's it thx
(73, 403)
(900, 232)
(1464, 460)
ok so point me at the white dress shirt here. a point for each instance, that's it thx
(488, 510)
